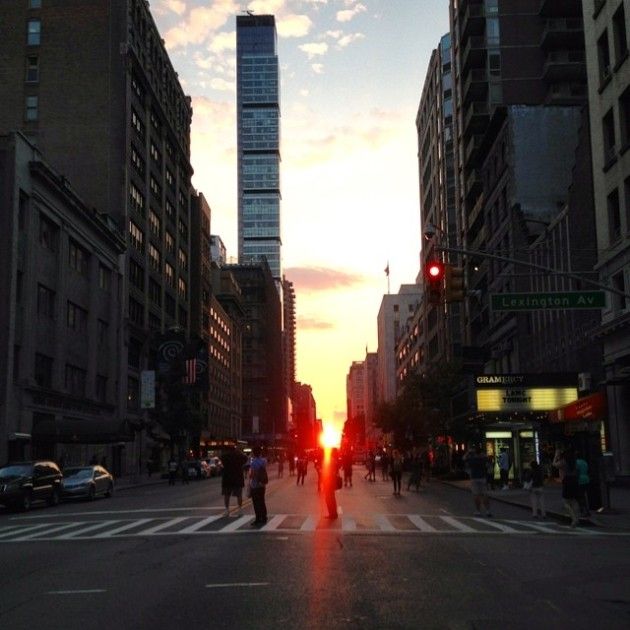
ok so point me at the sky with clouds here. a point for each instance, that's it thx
(351, 78)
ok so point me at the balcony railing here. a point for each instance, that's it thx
(563, 32)
(473, 20)
(474, 51)
(477, 109)
(476, 82)
(471, 148)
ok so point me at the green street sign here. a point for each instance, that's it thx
(567, 300)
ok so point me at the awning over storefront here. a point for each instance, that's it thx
(590, 408)
(81, 431)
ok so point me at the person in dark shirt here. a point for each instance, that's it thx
(476, 462)
(233, 479)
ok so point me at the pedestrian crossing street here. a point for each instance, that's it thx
(25, 530)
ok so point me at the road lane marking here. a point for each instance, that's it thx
(420, 523)
(237, 584)
(161, 526)
(123, 528)
(14, 529)
(84, 530)
(202, 523)
(100, 512)
(82, 591)
(546, 529)
(458, 525)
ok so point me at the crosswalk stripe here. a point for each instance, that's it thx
(234, 525)
(46, 532)
(458, 525)
(309, 524)
(202, 523)
(84, 530)
(274, 523)
(420, 523)
(383, 523)
(546, 529)
(161, 526)
(502, 528)
(123, 528)
(14, 529)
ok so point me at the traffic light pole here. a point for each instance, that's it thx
(530, 265)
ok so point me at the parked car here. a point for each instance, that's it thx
(215, 465)
(23, 483)
(86, 482)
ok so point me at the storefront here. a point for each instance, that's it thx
(511, 409)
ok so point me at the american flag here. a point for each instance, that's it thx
(191, 372)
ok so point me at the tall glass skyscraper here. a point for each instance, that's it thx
(258, 128)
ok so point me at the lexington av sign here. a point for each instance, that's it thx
(567, 300)
(524, 392)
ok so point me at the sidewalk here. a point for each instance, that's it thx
(617, 517)
(129, 481)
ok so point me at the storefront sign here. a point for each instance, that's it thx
(524, 398)
(591, 407)
(147, 389)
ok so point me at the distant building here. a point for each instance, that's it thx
(258, 143)
(288, 335)
(264, 398)
(218, 253)
(370, 396)
(305, 417)
(355, 396)
(63, 384)
(606, 33)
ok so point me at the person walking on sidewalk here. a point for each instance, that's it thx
(504, 467)
(233, 478)
(258, 479)
(583, 481)
(536, 480)
(565, 463)
(331, 483)
(396, 470)
(475, 462)
(172, 471)
(302, 469)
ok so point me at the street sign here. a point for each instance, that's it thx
(568, 300)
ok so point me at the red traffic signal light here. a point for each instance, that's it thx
(434, 273)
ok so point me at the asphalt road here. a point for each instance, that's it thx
(164, 557)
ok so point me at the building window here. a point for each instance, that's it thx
(136, 199)
(155, 154)
(133, 393)
(155, 292)
(104, 278)
(169, 242)
(182, 259)
(603, 57)
(169, 209)
(608, 129)
(48, 233)
(76, 317)
(136, 236)
(45, 301)
(619, 283)
(155, 122)
(136, 161)
(619, 35)
(75, 380)
(101, 388)
(624, 118)
(181, 200)
(78, 258)
(43, 371)
(137, 124)
(34, 32)
(156, 189)
(169, 274)
(32, 69)
(32, 110)
(181, 288)
(614, 217)
(136, 312)
(170, 180)
(137, 88)
(155, 224)
(155, 258)
(136, 275)
(183, 230)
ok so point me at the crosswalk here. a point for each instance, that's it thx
(440, 525)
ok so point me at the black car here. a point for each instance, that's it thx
(22, 483)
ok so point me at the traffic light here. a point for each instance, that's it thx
(434, 274)
(454, 284)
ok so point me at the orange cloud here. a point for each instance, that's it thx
(321, 278)
(312, 323)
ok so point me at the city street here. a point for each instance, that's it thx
(164, 557)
